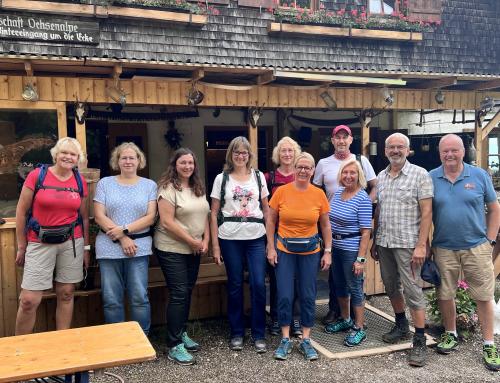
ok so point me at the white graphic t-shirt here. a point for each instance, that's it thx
(241, 200)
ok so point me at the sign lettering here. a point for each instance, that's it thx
(15, 27)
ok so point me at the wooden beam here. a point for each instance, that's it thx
(433, 84)
(365, 121)
(28, 68)
(339, 78)
(478, 139)
(483, 85)
(117, 71)
(253, 138)
(62, 127)
(81, 135)
(265, 78)
(197, 74)
(491, 125)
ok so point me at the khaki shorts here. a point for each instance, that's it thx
(477, 266)
(45, 263)
(400, 277)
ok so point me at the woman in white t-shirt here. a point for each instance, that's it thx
(180, 238)
(238, 213)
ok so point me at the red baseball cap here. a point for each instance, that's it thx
(341, 127)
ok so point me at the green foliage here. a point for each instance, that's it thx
(467, 319)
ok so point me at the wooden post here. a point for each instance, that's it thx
(253, 137)
(365, 119)
(62, 126)
(81, 135)
(478, 138)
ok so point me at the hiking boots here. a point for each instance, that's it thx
(189, 344)
(354, 337)
(330, 317)
(400, 331)
(274, 328)
(418, 352)
(491, 357)
(181, 356)
(447, 343)
(340, 325)
(260, 346)
(284, 349)
(236, 343)
(296, 328)
(308, 350)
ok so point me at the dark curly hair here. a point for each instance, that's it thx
(170, 176)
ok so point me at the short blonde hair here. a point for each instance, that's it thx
(235, 143)
(361, 174)
(68, 141)
(305, 155)
(115, 155)
(285, 140)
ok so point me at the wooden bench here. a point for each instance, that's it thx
(73, 351)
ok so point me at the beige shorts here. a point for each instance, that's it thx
(477, 266)
(44, 263)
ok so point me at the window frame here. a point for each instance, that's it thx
(368, 7)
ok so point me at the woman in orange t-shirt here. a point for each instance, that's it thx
(298, 207)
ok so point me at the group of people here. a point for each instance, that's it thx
(288, 223)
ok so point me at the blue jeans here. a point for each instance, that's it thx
(346, 283)
(303, 268)
(180, 272)
(234, 253)
(130, 274)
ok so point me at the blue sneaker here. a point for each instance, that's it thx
(340, 325)
(354, 337)
(181, 356)
(284, 348)
(190, 344)
(308, 350)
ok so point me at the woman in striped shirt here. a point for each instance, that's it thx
(351, 221)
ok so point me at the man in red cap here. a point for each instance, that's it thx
(326, 175)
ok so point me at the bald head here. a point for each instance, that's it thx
(451, 152)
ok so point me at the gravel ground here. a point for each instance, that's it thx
(216, 363)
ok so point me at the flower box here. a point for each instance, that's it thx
(103, 11)
(326, 31)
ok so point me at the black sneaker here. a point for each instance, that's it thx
(274, 328)
(296, 328)
(330, 317)
(418, 353)
(400, 331)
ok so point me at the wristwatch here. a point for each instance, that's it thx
(86, 247)
(125, 229)
(360, 259)
(493, 242)
(328, 250)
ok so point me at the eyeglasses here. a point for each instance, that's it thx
(237, 154)
(304, 168)
(396, 147)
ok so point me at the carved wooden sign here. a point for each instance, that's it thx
(48, 29)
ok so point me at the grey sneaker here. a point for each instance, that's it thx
(236, 343)
(400, 331)
(260, 346)
(418, 353)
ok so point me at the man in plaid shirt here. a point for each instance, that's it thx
(402, 222)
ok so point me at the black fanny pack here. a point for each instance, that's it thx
(300, 245)
(56, 234)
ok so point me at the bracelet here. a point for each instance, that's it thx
(86, 248)
(328, 250)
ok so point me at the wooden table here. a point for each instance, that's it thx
(68, 351)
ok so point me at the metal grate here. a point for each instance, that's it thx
(376, 325)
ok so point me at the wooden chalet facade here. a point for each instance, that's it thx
(262, 73)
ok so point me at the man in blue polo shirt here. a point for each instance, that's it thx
(463, 238)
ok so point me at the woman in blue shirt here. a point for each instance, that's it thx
(125, 208)
(351, 220)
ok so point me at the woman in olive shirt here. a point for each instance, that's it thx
(181, 236)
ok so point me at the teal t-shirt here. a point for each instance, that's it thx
(458, 209)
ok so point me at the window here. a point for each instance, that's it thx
(311, 4)
(25, 139)
(382, 7)
(494, 154)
